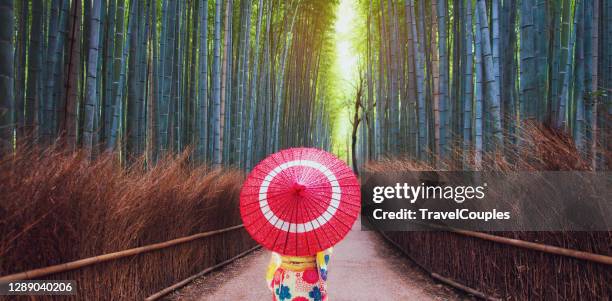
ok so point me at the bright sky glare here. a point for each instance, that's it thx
(346, 70)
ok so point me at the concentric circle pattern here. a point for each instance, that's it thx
(300, 201)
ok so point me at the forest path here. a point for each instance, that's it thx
(363, 267)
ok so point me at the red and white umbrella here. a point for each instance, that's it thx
(300, 201)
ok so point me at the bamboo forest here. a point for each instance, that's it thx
(146, 144)
(231, 81)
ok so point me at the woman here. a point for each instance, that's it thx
(298, 278)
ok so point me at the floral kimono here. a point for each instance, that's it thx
(298, 278)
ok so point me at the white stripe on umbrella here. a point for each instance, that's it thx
(307, 226)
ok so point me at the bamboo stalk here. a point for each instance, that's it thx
(7, 103)
(187, 280)
(77, 264)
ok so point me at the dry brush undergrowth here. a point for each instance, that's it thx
(509, 272)
(59, 206)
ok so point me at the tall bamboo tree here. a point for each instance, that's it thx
(91, 102)
(7, 103)
(216, 79)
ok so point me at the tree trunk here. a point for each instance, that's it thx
(444, 77)
(133, 107)
(356, 121)
(528, 60)
(33, 97)
(91, 102)
(420, 50)
(216, 116)
(7, 102)
(280, 78)
(69, 125)
(56, 19)
(492, 85)
(202, 119)
(468, 84)
(478, 143)
(118, 109)
(253, 94)
(567, 73)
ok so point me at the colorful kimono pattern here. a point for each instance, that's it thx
(292, 278)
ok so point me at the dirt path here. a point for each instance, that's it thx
(363, 267)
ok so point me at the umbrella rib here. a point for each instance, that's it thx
(340, 221)
(291, 172)
(337, 208)
(256, 200)
(317, 198)
(286, 232)
(324, 198)
(306, 214)
(270, 227)
(277, 163)
(314, 218)
(276, 188)
(324, 179)
(285, 206)
(304, 171)
(327, 221)
(337, 162)
(318, 191)
(305, 179)
(258, 208)
(310, 174)
(327, 186)
(301, 211)
(310, 219)
(330, 168)
(282, 206)
(269, 195)
(281, 226)
(295, 210)
(319, 180)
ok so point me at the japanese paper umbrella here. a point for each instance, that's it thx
(300, 201)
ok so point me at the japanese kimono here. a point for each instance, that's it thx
(298, 278)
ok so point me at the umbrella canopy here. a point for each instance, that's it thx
(300, 201)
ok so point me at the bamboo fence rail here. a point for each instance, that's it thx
(597, 258)
(587, 256)
(447, 281)
(187, 280)
(77, 264)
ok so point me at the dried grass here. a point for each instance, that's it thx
(58, 206)
(537, 148)
(504, 271)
